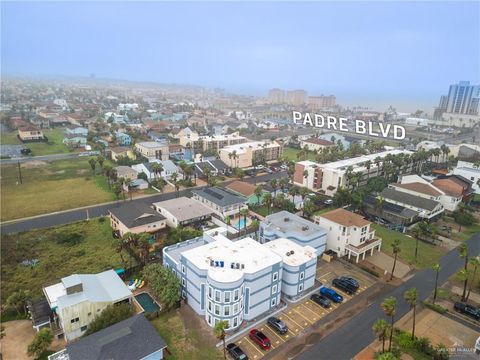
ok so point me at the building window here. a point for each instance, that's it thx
(209, 320)
(227, 296)
(235, 308)
(83, 328)
(302, 275)
(217, 296)
(74, 320)
(275, 276)
(226, 310)
(183, 269)
(183, 282)
(167, 266)
(235, 322)
(235, 295)
(274, 301)
(274, 289)
(300, 288)
(217, 309)
(209, 306)
(209, 292)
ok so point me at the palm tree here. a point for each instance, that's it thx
(219, 331)
(255, 225)
(416, 234)
(436, 268)
(143, 244)
(267, 200)
(274, 185)
(389, 306)
(128, 183)
(174, 179)
(463, 254)
(157, 169)
(475, 262)
(100, 160)
(411, 297)
(258, 193)
(93, 164)
(117, 244)
(303, 193)
(395, 249)
(283, 182)
(380, 328)
(244, 213)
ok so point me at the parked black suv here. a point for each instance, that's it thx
(235, 352)
(468, 310)
(345, 286)
(277, 325)
(321, 300)
(351, 281)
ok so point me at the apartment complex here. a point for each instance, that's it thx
(328, 178)
(320, 102)
(284, 224)
(461, 107)
(315, 144)
(77, 299)
(296, 97)
(276, 96)
(251, 153)
(211, 143)
(239, 280)
(348, 233)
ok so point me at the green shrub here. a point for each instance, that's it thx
(370, 271)
(463, 218)
(72, 238)
(435, 307)
(112, 314)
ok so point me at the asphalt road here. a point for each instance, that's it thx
(39, 158)
(355, 335)
(70, 216)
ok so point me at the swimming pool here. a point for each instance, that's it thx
(240, 224)
(147, 302)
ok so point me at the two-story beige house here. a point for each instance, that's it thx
(348, 233)
(136, 218)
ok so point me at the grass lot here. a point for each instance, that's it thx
(264, 211)
(466, 233)
(50, 186)
(54, 145)
(291, 154)
(183, 343)
(324, 210)
(93, 253)
(427, 254)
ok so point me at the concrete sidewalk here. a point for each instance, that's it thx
(385, 262)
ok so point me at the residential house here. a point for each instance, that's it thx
(392, 213)
(427, 209)
(348, 233)
(168, 168)
(245, 189)
(217, 167)
(76, 130)
(153, 150)
(456, 187)
(241, 280)
(30, 133)
(284, 224)
(183, 211)
(123, 139)
(469, 171)
(75, 141)
(136, 218)
(126, 172)
(77, 299)
(223, 202)
(117, 153)
(134, 336)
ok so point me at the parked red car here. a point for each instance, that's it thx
(260, 338)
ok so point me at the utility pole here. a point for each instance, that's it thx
(20, 172)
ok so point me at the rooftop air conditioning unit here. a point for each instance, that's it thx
(286, 219)
(292, 252)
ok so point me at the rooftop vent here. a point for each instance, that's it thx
(305, 228)
(286, 219)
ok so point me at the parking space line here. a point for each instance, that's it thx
(315, 318)
(300, 326)
(299, 313)
(321, 308)
(273, 332)
(254, 346)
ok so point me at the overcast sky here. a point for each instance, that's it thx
(366, 53)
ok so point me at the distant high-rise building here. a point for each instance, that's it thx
(319, 102)
(296, 97)
(462, 98)
(276, 96)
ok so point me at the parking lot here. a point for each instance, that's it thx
(305, 313)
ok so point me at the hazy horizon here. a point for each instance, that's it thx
(372, 54)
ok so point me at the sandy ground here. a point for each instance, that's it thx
(18, 334)
(385, 262)
(432, 325)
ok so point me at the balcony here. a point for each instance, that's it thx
(363, 248)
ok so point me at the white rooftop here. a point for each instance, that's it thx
(255, 145)
(102, 287)
(233, 136)
(152, 144)
(357, 161)
(300, 255)
(253, 255)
